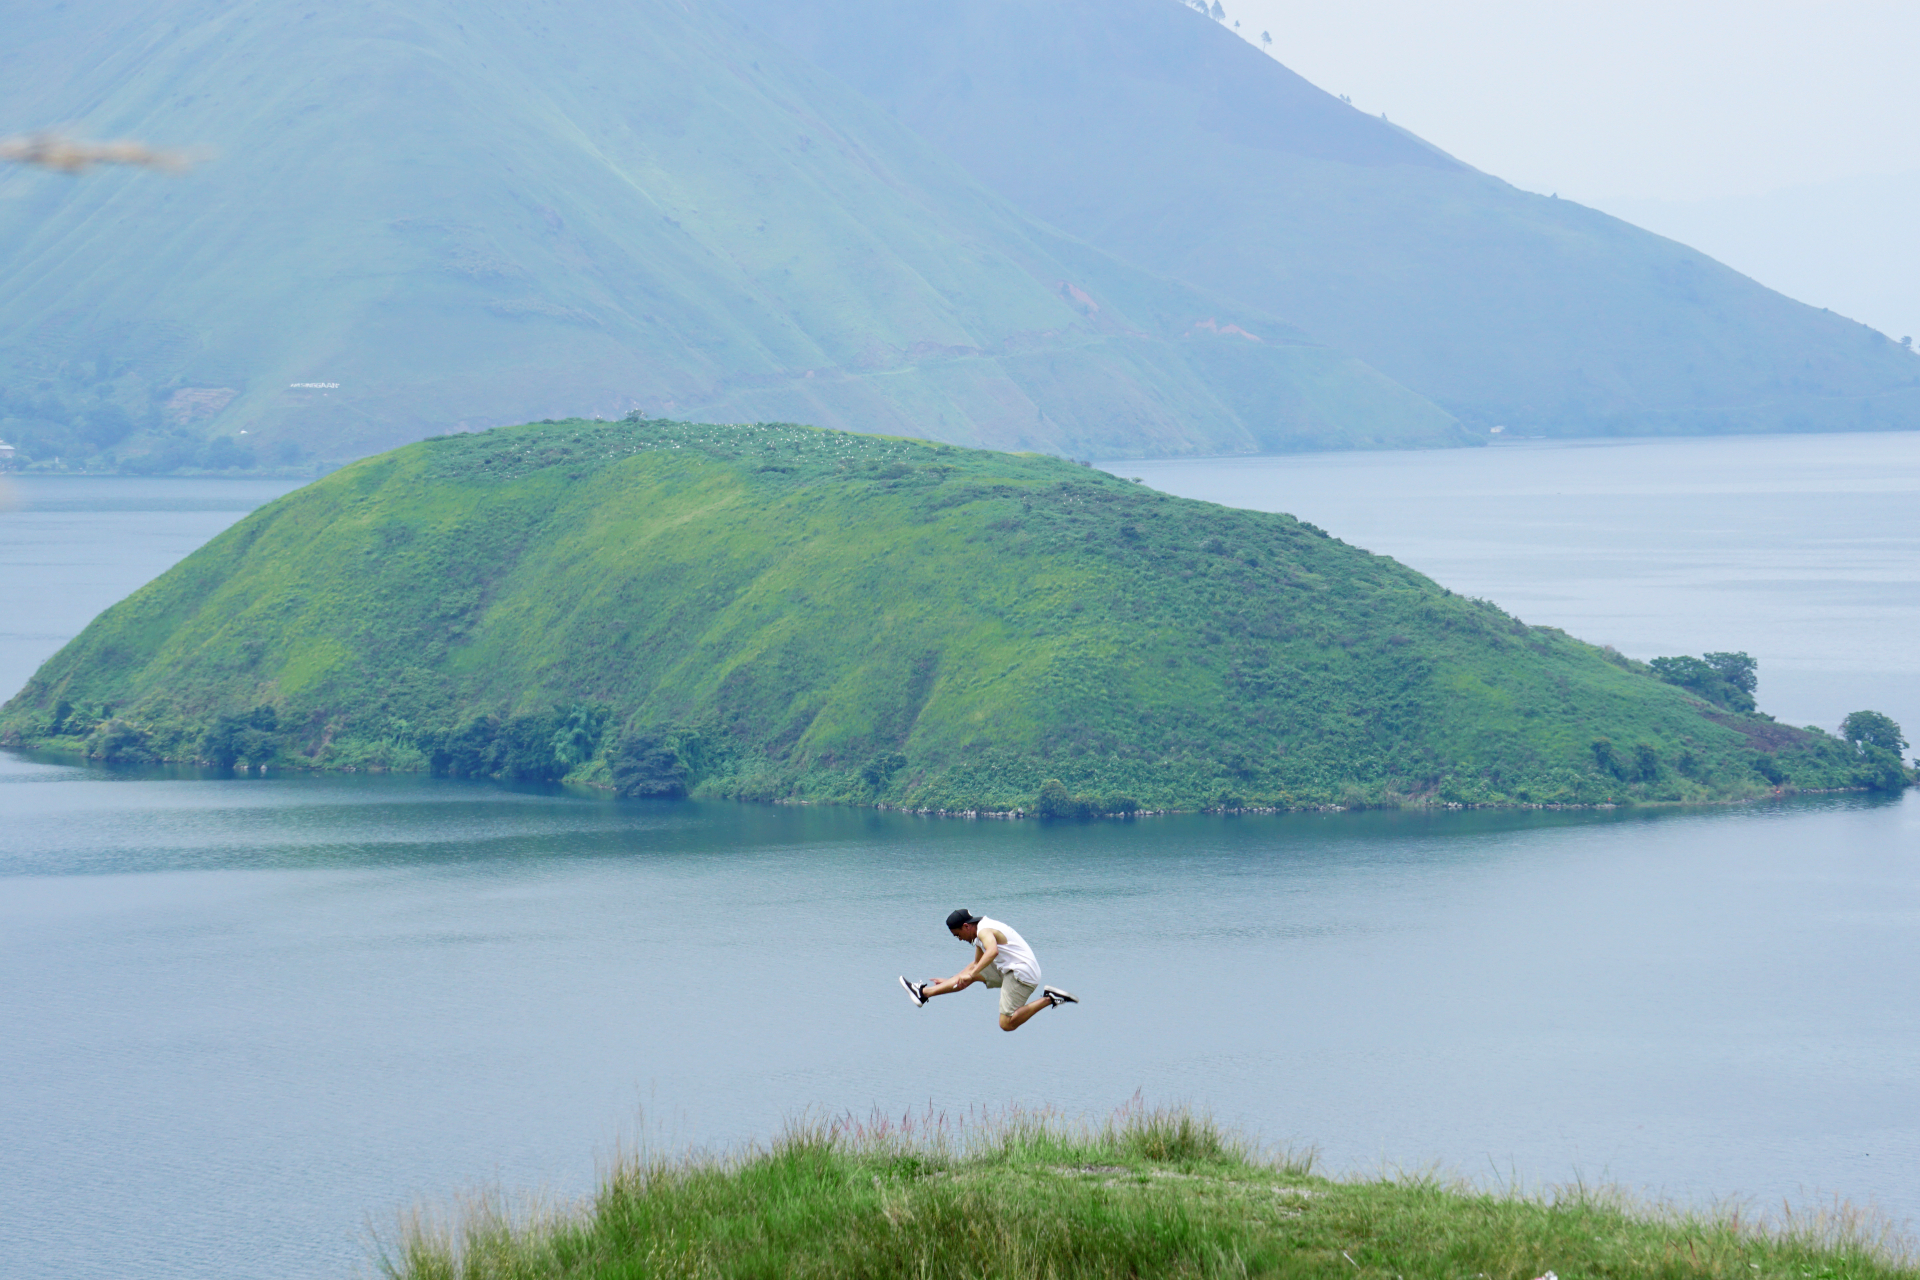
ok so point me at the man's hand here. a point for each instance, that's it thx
(985, 949)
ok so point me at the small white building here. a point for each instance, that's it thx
(6, 455)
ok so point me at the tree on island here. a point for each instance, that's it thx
(1871, 729)
(1724, 679)
(1879, 741)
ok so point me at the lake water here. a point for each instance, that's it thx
(245, 1017)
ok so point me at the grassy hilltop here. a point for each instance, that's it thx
(773, 611)
(1149, 1194)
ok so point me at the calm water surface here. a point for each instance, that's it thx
(246, 1016)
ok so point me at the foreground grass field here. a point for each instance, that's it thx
(1152, 1193)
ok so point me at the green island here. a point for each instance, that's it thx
(783, 613)
(1149, 1193)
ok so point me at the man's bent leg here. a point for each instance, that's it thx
(945, 987)
(1014, 1013)
(1015, 1020)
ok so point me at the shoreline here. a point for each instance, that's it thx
(975, 814)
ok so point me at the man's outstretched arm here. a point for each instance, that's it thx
(984, 950)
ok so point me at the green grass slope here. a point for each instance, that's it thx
(1159, 135)
(1148, 1194)
(426, 216)
(772, 612)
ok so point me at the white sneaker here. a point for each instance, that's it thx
(916, 991)
(1056, 997)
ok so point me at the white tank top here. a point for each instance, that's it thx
(1015, 956)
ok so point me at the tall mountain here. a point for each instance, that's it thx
(1084, 226)
(1154, 132)
(428, 215)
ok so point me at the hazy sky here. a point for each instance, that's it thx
(1683, 100)
(1763, 133)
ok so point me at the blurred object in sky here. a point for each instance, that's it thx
(51, 150)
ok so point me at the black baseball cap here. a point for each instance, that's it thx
(958, 916)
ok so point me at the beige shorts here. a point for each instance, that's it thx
(1014, 993)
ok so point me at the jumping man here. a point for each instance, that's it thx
(1001, 958)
